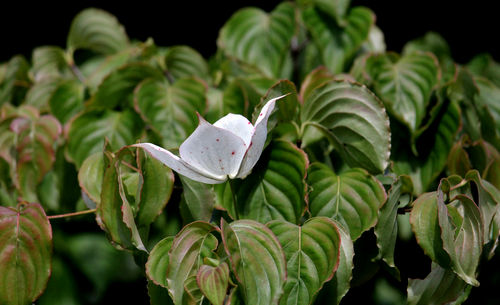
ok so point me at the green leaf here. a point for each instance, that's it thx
(287, 107)
(184, 62)
(462, 241)
(39, 94)
(158, 295)
(158, 262)
(441, 286)
(25, 252)
(338, 44)
(157, 184)
(188, 249)
(334, 290)
(430, 42)
(489, 97)
(213, 282)
(15, 81)
(425, 225)
(276, 188)
(312, 255)
(484, 65)
(96, 69)
(199, 199)
(118, 87)
(87, 132)
(353, 198)
(35, 147)
(90, 176)
(335, 8)
(434, 146)
(171, 110)
(386, 229)
(96, 30)
(354, 120)
(243, 95)
(67, 100)
(257, 261)
(112, 210)
(49, 62)
(313, 80)
(260, 39)
(404, 84)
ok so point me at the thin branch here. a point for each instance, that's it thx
(72, 214)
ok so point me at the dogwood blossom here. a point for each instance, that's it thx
(229, 148)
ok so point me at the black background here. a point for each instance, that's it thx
(469, 27)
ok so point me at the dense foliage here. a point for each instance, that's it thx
(369, 154)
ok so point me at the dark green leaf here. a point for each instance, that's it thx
(312, 255)
(49, 62)
(171, 110)
(66, 100)
(338, 44)
(257, 261)
(441, 286)
(276, 188)
(25, 252)
(354, 120)
(260, 39)
(117, 88)
(353, 198)
(158, 260)
(15, 81)
(199, 199)
(96, 30)
(213, 282)
(404, 84)
(87, 132)
(90, 176)
(183, 62)
(188, 249)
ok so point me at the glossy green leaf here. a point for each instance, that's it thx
(66, 100)
(276, 188)
(441, 286)
(49, 62)
(489, 97)
(96, 69)
(338, 44)
(242, 95)
(335, 290)
(335, 8)
(425, 225)
(430, 42)
(257, 261)
(353, 198)
(109, 214)
(15, 81)
(313, 80)
(354, 120)
(287, 107)
(183, 62)
(96, 30)
(158, 260)
(199, 199)
(171, 110)
(39, 94)
(425, 168)
(404, 84)
(260, 39)
(118, 87)
(90, 176)
(25, 253)
(188, 249)
(213, 282)
(87, 132)
(386, 229)
(312, 255)
(157, 184)
(463, 241)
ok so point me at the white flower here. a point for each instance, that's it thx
(212, 153)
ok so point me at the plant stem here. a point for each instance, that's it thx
(72, 214)
(233, 193)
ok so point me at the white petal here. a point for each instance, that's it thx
(237, 124)
(176, 164)
(214, 151)
(258, 139)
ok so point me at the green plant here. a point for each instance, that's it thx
(362, 144)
